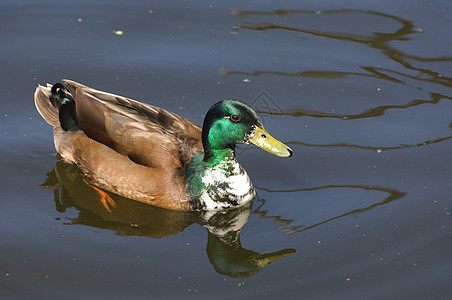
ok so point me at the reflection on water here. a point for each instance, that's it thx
(376, 40)
(373, 148)
(224, 249)
(285, 224)
(370, 113)
(132, 218)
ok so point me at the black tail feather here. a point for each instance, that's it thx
(66, 105)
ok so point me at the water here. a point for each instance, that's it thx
(360, 91)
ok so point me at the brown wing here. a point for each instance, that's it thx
(133, 149)
(146, 134)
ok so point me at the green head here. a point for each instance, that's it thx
(230, 122)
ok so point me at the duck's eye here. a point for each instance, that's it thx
(235, 118)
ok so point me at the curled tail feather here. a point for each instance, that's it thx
(56, 106)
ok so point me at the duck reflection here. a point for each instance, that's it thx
(225, 250)
(132, 218)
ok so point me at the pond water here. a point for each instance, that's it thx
(361, 91)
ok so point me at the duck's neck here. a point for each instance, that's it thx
(220, 181)
(214, 157)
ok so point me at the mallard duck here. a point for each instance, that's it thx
(148, 154)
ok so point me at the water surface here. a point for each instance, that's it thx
(360, 91)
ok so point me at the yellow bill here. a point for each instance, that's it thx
(265, 141)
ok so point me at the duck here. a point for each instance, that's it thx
(148, 154)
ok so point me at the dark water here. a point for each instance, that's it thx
(361, 91)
